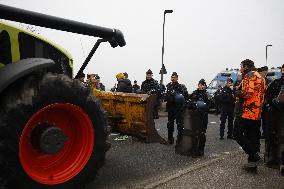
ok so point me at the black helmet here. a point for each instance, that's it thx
(201, 106)
(179, 100)
(202, 82)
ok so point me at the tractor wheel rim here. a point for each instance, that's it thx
(52, 169)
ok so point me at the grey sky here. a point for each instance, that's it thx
(201, 37)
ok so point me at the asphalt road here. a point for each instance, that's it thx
(224, 172)
(132, 164)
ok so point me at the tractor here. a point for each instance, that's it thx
(52, 128)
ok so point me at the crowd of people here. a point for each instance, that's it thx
(244, 104)
(249, 106)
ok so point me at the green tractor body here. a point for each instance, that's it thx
(52, 128)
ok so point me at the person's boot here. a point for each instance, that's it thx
(170, 137)
(201, 146)
(179, 139)
(254, 158)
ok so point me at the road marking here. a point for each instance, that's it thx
(114, 134)
(187, 170)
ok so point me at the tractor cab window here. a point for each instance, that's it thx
(31, 47)
(5, 48)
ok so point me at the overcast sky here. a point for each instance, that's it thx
(201, 37)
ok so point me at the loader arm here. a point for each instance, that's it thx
(115, 36)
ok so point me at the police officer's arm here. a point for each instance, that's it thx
(205, 99)
(157, 87)
(272, 91)
(143, 87)
(185, 92)
(192, 95)
(103, 87)
(168, 94)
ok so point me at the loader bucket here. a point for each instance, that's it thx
(131, 114)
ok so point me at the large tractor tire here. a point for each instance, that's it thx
(52, 134)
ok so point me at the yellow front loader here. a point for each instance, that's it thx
(129, 113)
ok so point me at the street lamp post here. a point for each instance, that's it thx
(266, 52)
(163, 69)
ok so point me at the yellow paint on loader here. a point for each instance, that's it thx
(129, 113)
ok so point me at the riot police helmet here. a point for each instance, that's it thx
(201, 107)
(179, 100)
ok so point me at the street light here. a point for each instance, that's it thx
(163, 68)
(266, 52)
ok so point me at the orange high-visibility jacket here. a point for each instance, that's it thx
(253, 90)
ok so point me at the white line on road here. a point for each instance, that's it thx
(188, 170)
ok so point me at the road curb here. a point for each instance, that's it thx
(190, 169)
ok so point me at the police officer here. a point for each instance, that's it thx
(135, 87)
(151, 86)
(176, 96)
(263, 72)
(122, 84)
(99, 85)
(217, 100)
(201, 95)
(126, 79)
(274, 111)
(226, 99)
(238, 110)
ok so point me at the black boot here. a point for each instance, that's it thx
(170, 137)
(202, 141)
(179, 136)
(179, 139)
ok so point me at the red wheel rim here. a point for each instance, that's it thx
(72, 158)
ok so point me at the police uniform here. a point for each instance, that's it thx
(151, 86)
(201, 95)
(227, 101)
(176, 96)
(135, 87)
(274, 130)
(99, 86)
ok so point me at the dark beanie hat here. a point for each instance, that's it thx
(283, 66)
(230, 79)
(264, 68)
(97, 76)
(149, 72)
(259, 70)
(202, 82)
(175, 74)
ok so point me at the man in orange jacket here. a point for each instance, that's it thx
(247, 132)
